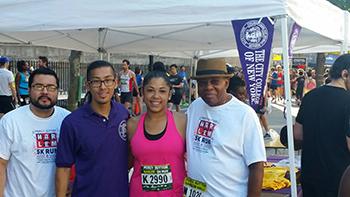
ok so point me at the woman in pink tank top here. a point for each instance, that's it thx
(157, 143)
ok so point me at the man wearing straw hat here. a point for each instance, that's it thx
(225, 145)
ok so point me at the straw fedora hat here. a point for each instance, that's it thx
(207, 68)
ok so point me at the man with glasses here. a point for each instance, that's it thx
(225, 147)
(94, 139)
(28, 140)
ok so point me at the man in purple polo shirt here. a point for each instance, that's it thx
(94, 139)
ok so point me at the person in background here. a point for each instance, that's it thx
(322, 126)
(127, 81)
(299, 93)
(28, 140)
(21, 79)
(8, 95)
(177, 85)
(280, 82)
(273, 84)
(93, 138)
(137, 98)
(157, 142)
(185, 90)
(237, 88)
(310, 82)
(43, 62)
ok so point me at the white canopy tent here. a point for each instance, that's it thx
(170, 27)
(160, 27)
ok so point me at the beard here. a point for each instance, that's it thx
(37, 104)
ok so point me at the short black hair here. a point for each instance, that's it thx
(98, 64)
(340, 64)
(235, 83)
(44, 59)
(173, 65)
(137, 70)
(284, 139)
(126, 61)
(43, 71)
(158, 66)
(20, 65)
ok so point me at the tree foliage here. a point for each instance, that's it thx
(343, 4)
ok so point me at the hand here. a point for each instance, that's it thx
(15, 100)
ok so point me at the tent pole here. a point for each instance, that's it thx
(346, 32)
(193, 69)
(284, 30)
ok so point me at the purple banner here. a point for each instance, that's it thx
(254, 40)
(294, 34)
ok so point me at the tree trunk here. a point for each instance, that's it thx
(320, 62)
(74, 75)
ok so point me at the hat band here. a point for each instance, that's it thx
(211, 72)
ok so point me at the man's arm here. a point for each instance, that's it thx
(348, 142)
(62, 180)
(256, 174)
(298, 132)
(13, 90)
(3, 166)
(135, 83)
(17, 82)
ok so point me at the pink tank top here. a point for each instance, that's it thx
(159, 168)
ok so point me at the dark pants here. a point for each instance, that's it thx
(6, 104)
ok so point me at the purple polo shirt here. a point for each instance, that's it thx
(98, 148)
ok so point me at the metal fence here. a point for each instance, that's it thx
(63, 73)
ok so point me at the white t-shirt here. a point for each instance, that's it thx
(29, 144)
(126, 83)
(6, 77)
(222, 142)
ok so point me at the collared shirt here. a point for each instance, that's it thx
(98, 148)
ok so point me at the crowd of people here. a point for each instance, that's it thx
(215, 149)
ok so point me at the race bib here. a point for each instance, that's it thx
(194, 188)
(156, 178)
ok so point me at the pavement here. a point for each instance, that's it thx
(276, 118)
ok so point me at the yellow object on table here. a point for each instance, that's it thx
(274, 178)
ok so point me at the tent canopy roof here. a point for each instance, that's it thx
(158, 26)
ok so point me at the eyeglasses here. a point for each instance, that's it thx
(97, 83)
(40, 87)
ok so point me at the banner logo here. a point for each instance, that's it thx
(254, 34)
(122, 130)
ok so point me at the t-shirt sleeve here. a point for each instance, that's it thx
(66, 148)
(5, 140)
(253, 142)
(11, 78)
